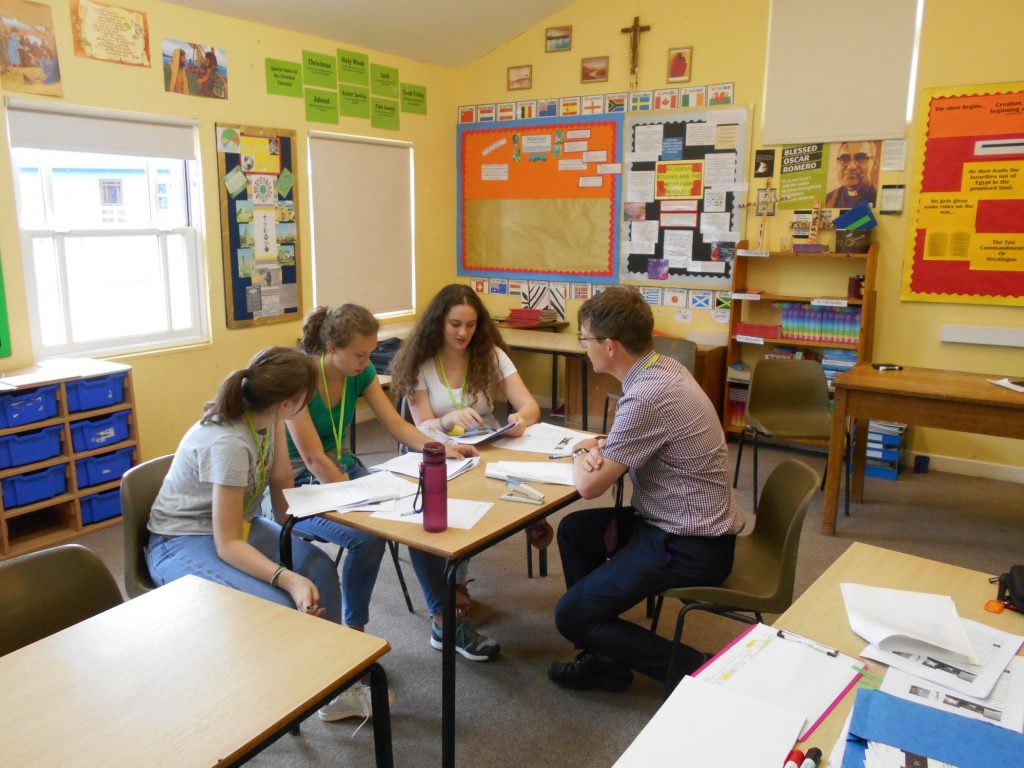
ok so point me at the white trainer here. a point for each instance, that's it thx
(352, 702)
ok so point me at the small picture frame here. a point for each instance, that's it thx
(520, 78)
(594, 69)
(680, 65)
(557, 39)
(765, 202)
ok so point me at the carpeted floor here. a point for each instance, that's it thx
(509, 714)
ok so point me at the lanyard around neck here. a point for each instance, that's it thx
(456, 404)
(652, 361)
(338, 430)
(262, 459)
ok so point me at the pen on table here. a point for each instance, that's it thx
(811, 758)
(793, 759)
(559, 455)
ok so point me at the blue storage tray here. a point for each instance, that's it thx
(103, 468)
(90, 434)
(86, 394)
(28, 406)
(101, 506)
(29, 447)
(34, 486)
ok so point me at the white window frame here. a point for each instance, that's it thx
(197, 330)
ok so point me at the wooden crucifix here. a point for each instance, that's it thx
(634, 47)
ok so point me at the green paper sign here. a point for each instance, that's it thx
(284, 78)
(285, 182)
(318, 69)
(5, 330)
(321, 106)
(414, 98)
(384, 81)
(384, 114)
(353, 68)
(354, 101)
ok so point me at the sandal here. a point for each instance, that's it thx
(462, 603)
(541, 535)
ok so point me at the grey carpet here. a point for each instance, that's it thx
(508, 714)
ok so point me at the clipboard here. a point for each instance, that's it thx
(785, 669)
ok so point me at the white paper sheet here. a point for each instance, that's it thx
(462, 513)
(914, 622)
(1003, 707)
(552, 472)
(640, 187)
(544, 438)
(994, 649)
(647, 138)
(308, 500)
(409, 464)
(698, 726)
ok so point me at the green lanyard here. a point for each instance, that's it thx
(456, 404)
(338, 430)
(262, 460)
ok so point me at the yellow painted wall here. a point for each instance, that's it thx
(958, 47)
(171, 386)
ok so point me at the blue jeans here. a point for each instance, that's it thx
(602, 583)
(171, 557)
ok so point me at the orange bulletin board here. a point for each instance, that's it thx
(540, 198)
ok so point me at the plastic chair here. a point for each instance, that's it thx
(788, 400)
(139, 487)
(764, 568)
(45, 592)
(682, 351)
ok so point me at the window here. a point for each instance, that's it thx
(111, 248)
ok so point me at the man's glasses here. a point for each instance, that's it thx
(860, 158)
(584, 339)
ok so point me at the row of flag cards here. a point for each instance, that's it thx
(683, 298)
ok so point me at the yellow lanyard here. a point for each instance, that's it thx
(652, 361)
(456, 404)
(338, 430)
(262, 463)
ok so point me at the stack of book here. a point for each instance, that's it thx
(885, 449)
(737, 406)
(789, 353)
(525, 316)
(835, 361)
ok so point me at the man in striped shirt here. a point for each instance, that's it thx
(680, 529)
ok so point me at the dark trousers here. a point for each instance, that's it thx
(612, 560)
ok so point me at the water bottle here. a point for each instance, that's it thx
(434, 484)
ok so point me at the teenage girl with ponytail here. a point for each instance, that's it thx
(205, 520)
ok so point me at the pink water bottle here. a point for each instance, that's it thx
(434, 487)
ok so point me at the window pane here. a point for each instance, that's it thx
(51, 313)
(179, 283)
(31, 211)
(117, 287)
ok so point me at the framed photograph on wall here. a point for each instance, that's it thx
(557, 39)
(680, 65)
(594, 69)
(520, 78)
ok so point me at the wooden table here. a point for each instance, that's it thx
(190, 674)
(819, 612)
(503, 519)
(557, 345)
(925, 397)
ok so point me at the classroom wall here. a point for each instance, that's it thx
(729, 44)
(171, 386)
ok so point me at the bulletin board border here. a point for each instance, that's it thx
(237, 313)
(608, 275)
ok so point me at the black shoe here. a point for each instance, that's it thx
(588, 671)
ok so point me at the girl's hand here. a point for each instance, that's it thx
(456, 451)
(303, 592)
(467, 418)
(515, 418)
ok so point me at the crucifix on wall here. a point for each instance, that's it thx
(634, 49)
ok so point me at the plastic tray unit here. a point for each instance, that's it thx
(101, 506)
(90, 434)
(34, 486)
(29, 447)
(28, 406)
(87, 394)
(103, 468)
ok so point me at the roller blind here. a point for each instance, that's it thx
(36, 125)
(363, 222)
(838, 70)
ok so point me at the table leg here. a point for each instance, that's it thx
(381, 716)
(860, 454)
(448, 669)
(835, 465)
(554, 385)
(285, 545)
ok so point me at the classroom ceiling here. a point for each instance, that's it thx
(451, 33)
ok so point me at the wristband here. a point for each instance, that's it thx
(578, 452)
(277, 574)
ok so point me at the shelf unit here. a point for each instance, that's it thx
(817, 279)
(28, 527)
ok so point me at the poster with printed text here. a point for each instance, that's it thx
(110, 33)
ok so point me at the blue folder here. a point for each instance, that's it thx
(929, 732)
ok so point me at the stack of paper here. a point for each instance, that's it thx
(307, 500)
(553, 473)
(544, 438)
(409, 464)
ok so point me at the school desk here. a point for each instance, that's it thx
(190, 674)
(557, 345)
(455, 545)
(923, 397)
